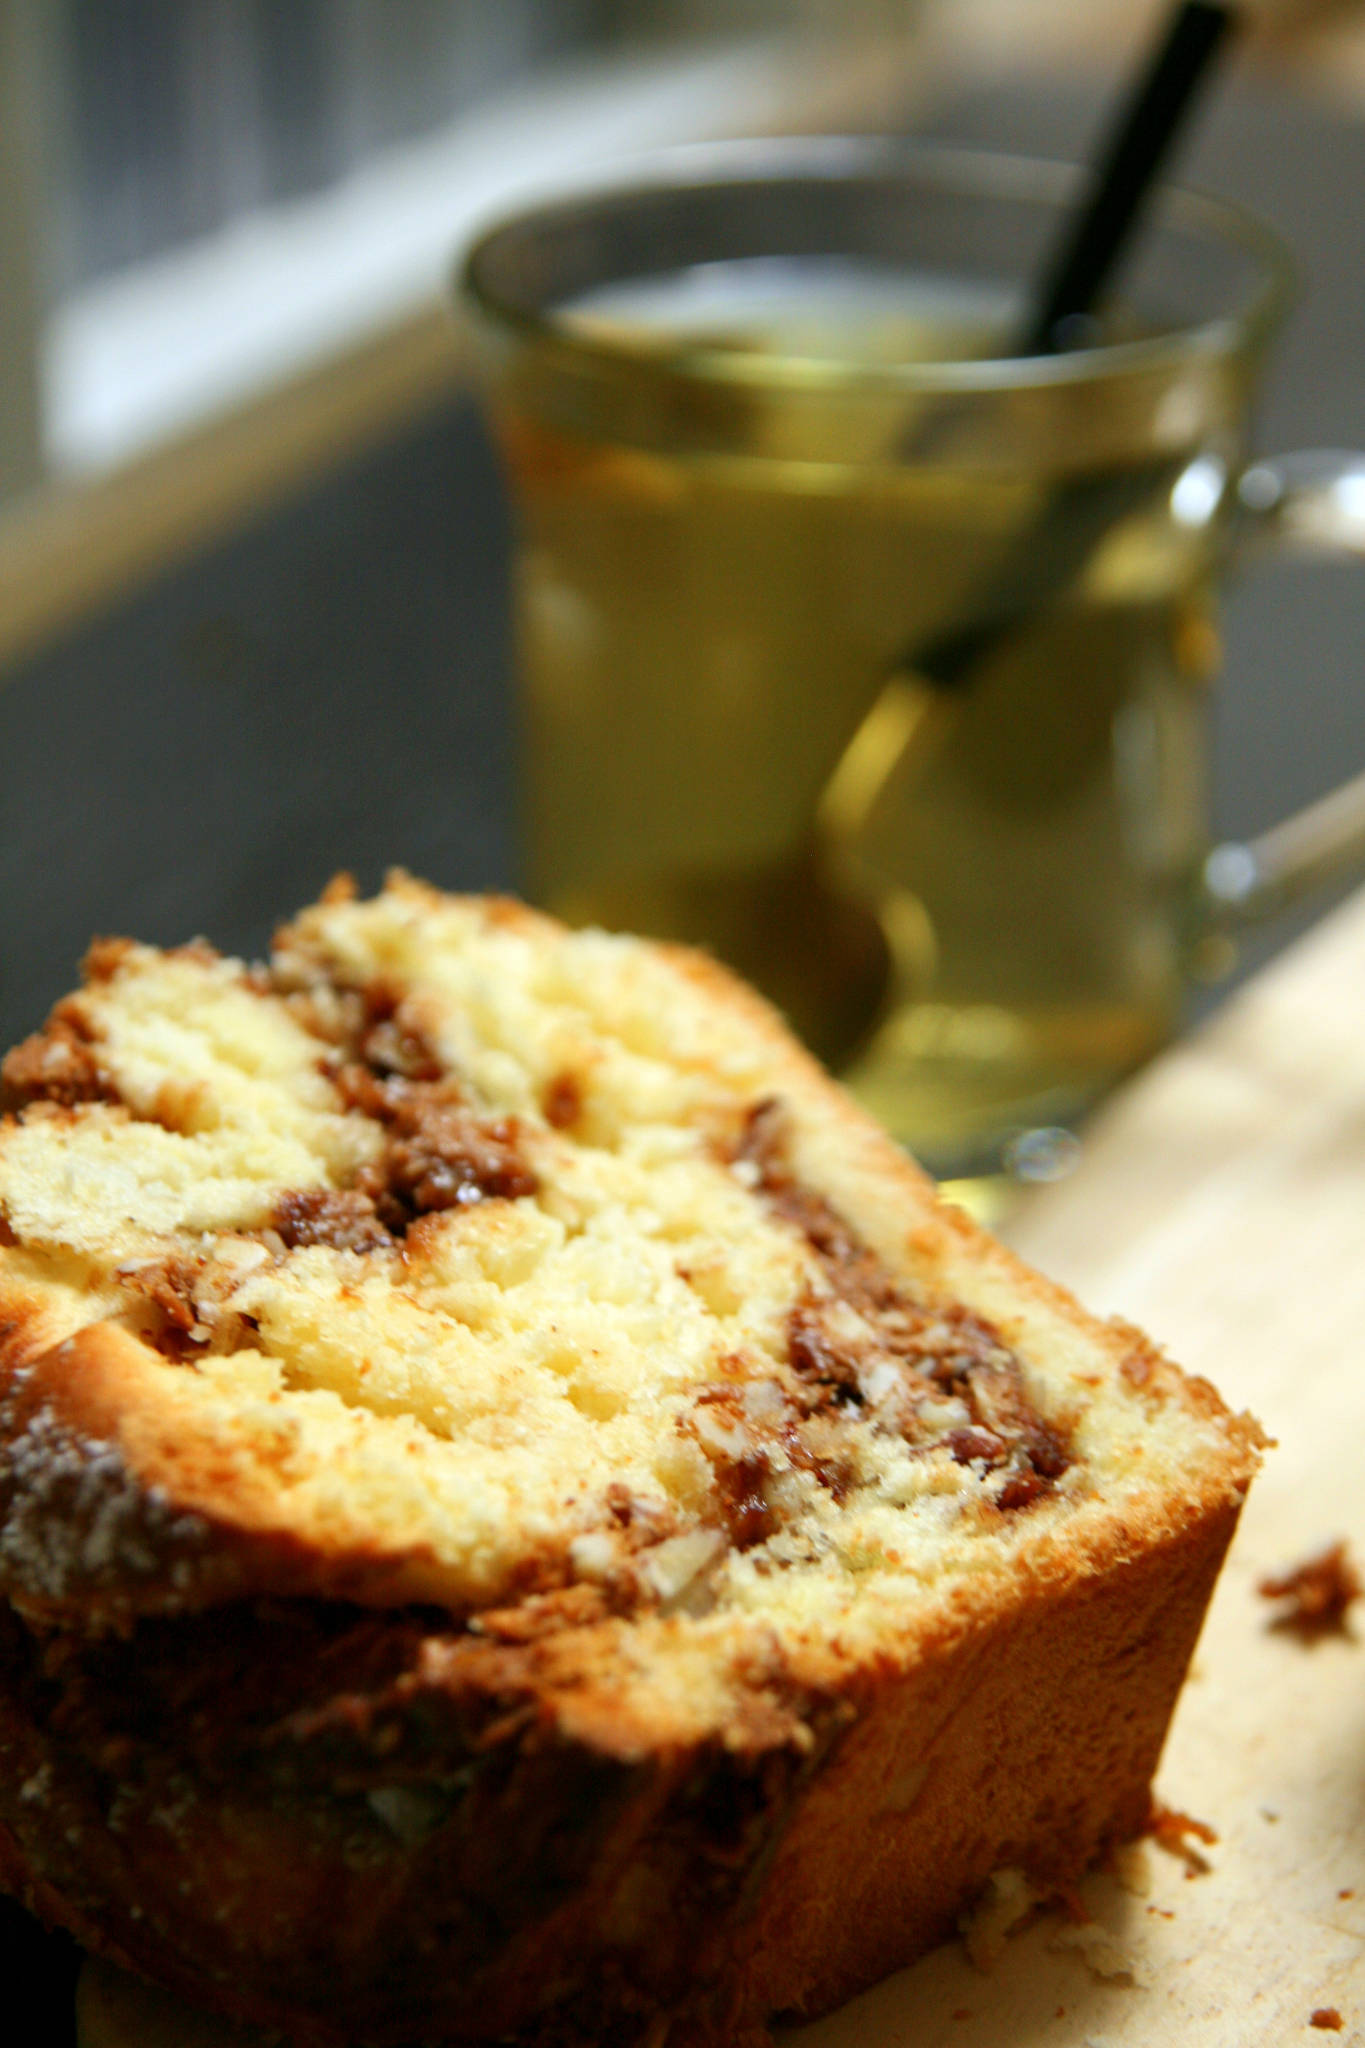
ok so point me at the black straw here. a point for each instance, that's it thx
(1056, 545)
(1124, 175)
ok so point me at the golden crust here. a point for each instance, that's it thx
(118, 1499)
(491, 1437)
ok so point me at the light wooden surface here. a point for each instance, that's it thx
(1221, 1204)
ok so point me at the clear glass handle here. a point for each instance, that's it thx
(1309, 503)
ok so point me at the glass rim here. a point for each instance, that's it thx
(950, 167)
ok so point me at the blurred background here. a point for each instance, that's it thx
(252, 546)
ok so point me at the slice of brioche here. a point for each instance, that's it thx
(520, 1515)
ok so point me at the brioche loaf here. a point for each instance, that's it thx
(520, 1515)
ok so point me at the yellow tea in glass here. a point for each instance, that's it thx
(770, 458)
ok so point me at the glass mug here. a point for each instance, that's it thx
(868, 656)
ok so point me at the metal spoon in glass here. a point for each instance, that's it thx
(915, 705)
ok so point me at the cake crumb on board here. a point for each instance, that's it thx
(1103, 1953)
(1171, 1830)
(1318, 1593)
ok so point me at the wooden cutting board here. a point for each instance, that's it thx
(1220, 1203)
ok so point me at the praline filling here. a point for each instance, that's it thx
(864, 1355)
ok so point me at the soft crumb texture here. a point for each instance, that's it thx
(1005, 1904)
(530, 1321)
(492, 1248)
(1107, 1957)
